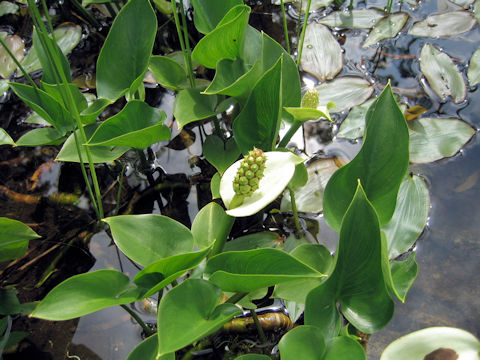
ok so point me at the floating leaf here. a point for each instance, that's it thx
(410, 216)
(306, 340)
(419, 344)
(16, 46)
(432, 139)
(225, 40)
(86, 293)
(209, 13)
(443, 25)
(220, 154)
(5, 139)
(345, 92)
(189, 312)
(474, 68)
(99, 154)
(7, 7)
(462, 3)
(279, 169)
(211, 224)
(442, 74)
(357, 282)
(245, 271)
(381, 172)
(354, 19)
(353, 126)
(138, 125)
(315, 4)
(387, 27)
(309, 198)
(322, 55)
(67, 36)
(168, 72)
(149, 238)
(41, 136)
(14, 238)
(404, 274)
(125, 55)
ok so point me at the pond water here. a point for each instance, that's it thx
(446, 292)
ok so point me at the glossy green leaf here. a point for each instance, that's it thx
(86, 293)
(279, 169)
(354, 19)
(353, 126)
(225, 40)
(442, 74)
(16, 46)
(264, 239)
(418, 344)
(126, 52)
(211, 224)
(387, 27)
(99, 154)
(191, 105)
(41, 136)
(168, 72)
(432, 139)
(258, 123)
(235, 78)
(410, 216)
(14, 238)
(315, 255)
(345, 348)
(147, 350)
(58, 91)
(305, 114)
(9, 303)
(189, 312)
(5, 139)
(138, 125)
(215, 186)
(322, 55)
(46, 106)
(442, 25)
(219, 153)
(67, 37)
(345, 92)
(245, 271)
(404, 274)
(90, 114)
(357, 282)
(8, 8)
(253, 357)
(380, 172)
(149, 238)
(208, 13)
(305, 340)
(160, 273)
(474, 68)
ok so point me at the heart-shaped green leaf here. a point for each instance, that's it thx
(86, 293)
(225, 40)
(220, 154)
(357, 282)
(14, 238)
(138, 125)
(41, 136)
(279, 169)
(258, 123)
(306, 340)
(258, 240)
(345, 348)
(5, 139)
(380, 172)
(90, 114)
(168, 72)
(211, 225)
(149, 238)
(189, 312)
(208, 13)
(159, 274)
(147, 350)
(126, 52)
(244, 271)
(404, 274)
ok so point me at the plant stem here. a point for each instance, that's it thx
(285, 27)
(119, 192)
(237, 297)
(302, 36)
(261, 333)
(86, 14)
(9, 52)
(187, 46)
(286, 138)
(389, 6)
(182, 43)
(148, 332)
(295, 212)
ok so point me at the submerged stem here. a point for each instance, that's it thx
(148, 332)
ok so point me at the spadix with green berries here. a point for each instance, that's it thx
(254, 182)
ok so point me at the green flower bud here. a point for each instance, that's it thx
(249, 173)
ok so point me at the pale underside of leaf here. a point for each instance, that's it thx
(387, 27)
(443, 25)
(474, 68)
(355, 19)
